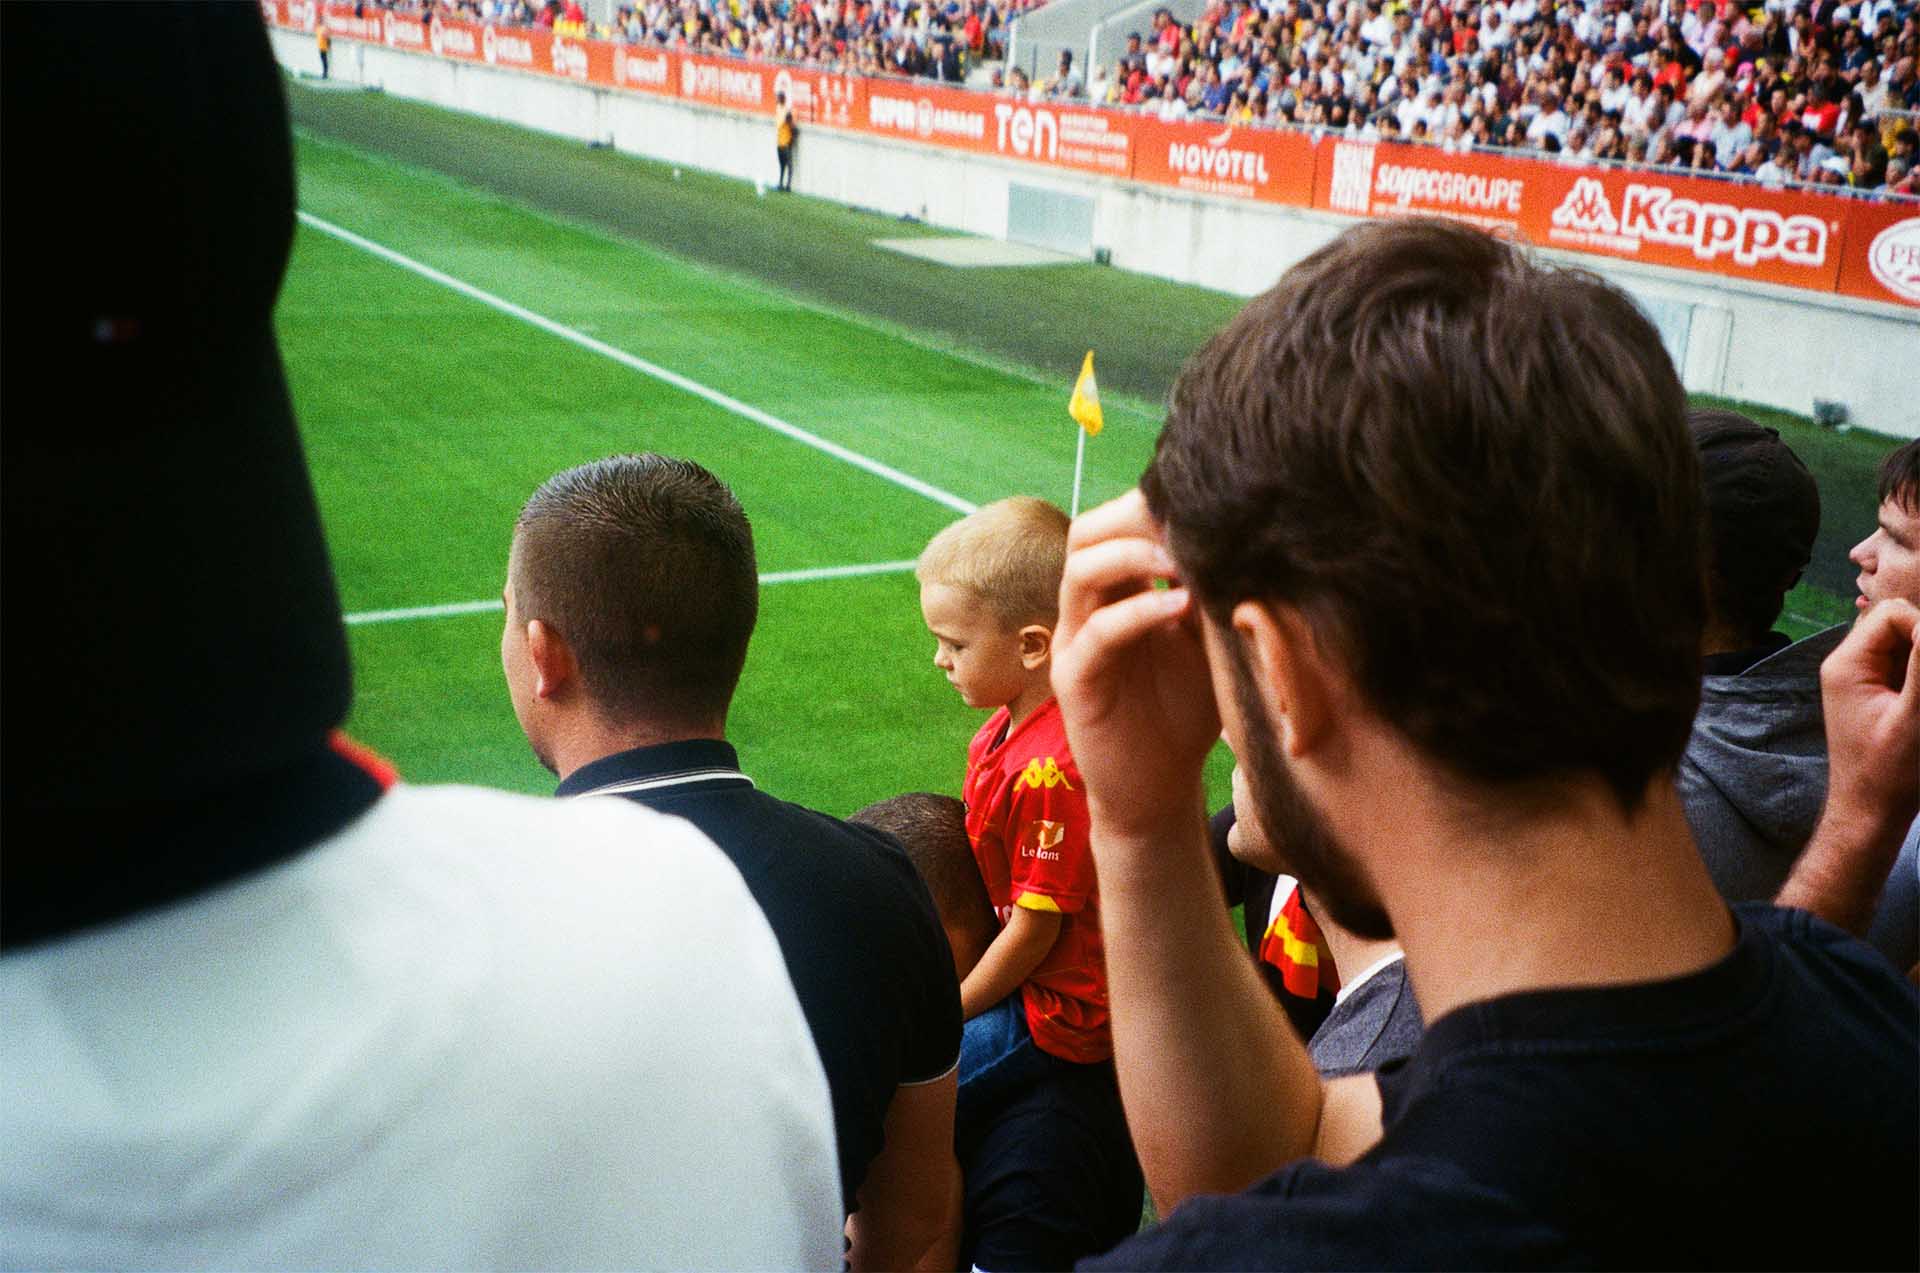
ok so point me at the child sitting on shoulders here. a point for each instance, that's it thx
(989, 592)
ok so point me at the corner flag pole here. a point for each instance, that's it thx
(1079, 466)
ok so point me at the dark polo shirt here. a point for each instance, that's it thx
(862, 941)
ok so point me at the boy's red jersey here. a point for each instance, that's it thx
(1027, 822)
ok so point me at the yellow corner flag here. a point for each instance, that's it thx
(1084, 407)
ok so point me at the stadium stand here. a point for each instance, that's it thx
(1818, 94)
(1821, 94)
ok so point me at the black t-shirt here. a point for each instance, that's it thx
(862, 941)
(1764, 1113)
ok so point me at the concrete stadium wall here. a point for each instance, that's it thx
(1751, 342)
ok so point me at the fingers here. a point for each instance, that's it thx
(1879, 651)
(1117, 518)
(1130, 620)
(1105, 571)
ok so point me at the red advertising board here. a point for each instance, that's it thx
(1383, 179)
(1048, 133)
(1861, 249)
(1241, 163)
(1692, 223)
(1882, 257)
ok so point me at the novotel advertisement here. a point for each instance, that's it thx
(1864, 249)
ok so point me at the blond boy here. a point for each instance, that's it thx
(989, 592)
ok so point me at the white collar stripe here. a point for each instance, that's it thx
(631, 785)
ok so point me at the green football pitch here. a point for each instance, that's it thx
(472, 308)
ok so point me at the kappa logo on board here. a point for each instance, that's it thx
(1894, 258)
(1586, 208)
(1652, 214)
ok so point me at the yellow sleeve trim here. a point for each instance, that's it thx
(1037, 902)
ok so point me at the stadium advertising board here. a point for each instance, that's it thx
(1040, 132)
(1869, 250)
(1882, 258)
(1692, 223)
(1240, 163)
(1385, 179)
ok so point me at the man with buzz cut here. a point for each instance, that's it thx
(1431, 519)
(631, 595)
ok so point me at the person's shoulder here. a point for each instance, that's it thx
(870, 857)
(1043, 737)
(612, 872)
(1398, 1213)
(1820, 949)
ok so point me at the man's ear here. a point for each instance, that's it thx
(1290, 672)
(1036, 646)
(553, 663)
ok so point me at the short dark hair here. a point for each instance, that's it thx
(645, 565)
(1472, 473)
(1900, 477)
(1763, 513)
(933, 831)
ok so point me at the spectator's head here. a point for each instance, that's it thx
(1437, 499)
(1763, 511)
(631, 594)
(990, 594)
(933, 831)
(1889, 558)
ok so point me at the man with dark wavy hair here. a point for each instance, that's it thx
(1431, 519)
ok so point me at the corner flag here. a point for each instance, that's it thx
(1084, 406)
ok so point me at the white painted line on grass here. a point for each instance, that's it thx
(725, 402)
(425, 612)
(495, 605)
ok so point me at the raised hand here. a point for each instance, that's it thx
(1130, 669)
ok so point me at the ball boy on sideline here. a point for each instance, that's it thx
(989, 592)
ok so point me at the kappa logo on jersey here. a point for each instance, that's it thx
(1042, 776)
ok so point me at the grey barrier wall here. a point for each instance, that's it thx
(1748, 341)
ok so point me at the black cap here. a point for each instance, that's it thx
(171, 619)
(1763, 511)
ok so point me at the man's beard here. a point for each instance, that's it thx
(1293, 827)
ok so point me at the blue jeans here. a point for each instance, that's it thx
(998, 1058)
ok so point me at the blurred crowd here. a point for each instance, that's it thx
(872, 37)
(1819, 93)
(1822, 93)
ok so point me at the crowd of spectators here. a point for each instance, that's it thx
(874, 37)
(1821, 93)
(1818, 93)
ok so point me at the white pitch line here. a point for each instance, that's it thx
(495, 605)
(645, 368)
